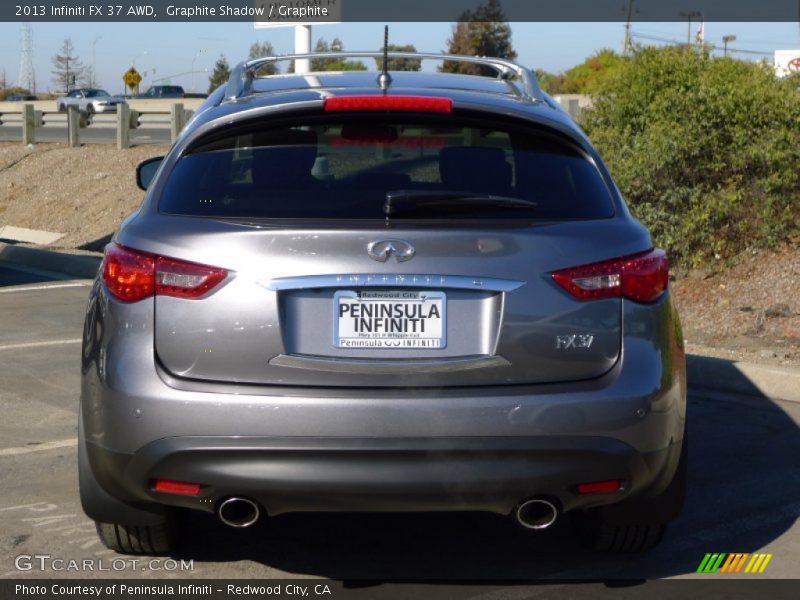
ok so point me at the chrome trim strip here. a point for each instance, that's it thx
(368, 366)
(459, 282)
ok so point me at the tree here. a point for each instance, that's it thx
(259, 50)
(704, 150)
(400, 64)
(482, 32)
(585, 78)
(334, 64)
(220, 74)
(320, 64)
(13, 91)
(67, 68)
(87, 78)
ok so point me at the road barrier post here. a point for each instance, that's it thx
(177, 120)
(73, 127)
(123, 126)
(28, 124)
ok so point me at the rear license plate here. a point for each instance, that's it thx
(392, 319)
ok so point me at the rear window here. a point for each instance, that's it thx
(345, 168)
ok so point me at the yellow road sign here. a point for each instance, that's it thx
(132, 78)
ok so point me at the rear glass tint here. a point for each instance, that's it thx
(344, 168)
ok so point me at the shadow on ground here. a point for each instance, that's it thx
(20, 265)
(9, 275)
(744, 492)
(98, 245)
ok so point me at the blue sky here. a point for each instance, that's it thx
(174, 48)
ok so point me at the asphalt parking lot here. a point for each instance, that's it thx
(744, 488)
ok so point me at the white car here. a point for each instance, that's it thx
(90, 101)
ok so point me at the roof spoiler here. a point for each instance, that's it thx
(240, 83)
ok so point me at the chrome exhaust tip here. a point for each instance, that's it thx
(537, 514)
(238, 512)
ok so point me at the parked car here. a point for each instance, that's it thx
(89, 100)
(412, 292)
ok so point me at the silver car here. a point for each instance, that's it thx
(382, 292)
(90, 101)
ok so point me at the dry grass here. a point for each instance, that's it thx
(81, 192)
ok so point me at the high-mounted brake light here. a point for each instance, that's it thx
(431, 104)
(131, 275)
(641, 278)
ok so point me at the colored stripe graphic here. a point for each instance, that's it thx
(734, 563)
(758, 563)
(720, 562)
(711, 562)
(765, 563)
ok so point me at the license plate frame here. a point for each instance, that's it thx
(407, 340)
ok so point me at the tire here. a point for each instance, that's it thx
(89, 109)
(132, 539)
(123, 527)
(628, 527)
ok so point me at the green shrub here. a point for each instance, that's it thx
(705, 150)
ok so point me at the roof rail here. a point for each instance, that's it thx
(240, 83)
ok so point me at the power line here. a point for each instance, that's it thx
(680, 43)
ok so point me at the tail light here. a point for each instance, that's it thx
(131, 275)
(641, 278)
(376, 102)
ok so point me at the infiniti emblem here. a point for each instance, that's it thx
(383, 249)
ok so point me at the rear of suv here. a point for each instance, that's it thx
(405, 292)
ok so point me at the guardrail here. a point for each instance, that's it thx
(124, 120)
(127, 119)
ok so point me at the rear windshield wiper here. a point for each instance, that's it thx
(411, 201)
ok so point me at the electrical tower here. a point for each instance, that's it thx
(26, 79)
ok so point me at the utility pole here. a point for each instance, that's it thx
(689, 15)
(725, 40)
(626, 42)
(26, 78)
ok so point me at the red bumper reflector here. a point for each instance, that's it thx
(600, 487)
(432, 104)
(181, 488)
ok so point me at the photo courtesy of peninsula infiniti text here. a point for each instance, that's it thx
(382, 292)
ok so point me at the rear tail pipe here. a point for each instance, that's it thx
(238, 512)
(536, 514)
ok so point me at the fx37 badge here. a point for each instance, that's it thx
(564, 342)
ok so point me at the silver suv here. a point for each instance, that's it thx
(382, 292)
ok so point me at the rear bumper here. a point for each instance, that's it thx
(330, 474)
(416, 448)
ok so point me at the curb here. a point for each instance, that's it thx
(80, 266)
(703, 372)
(747, 379)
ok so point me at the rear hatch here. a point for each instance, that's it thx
(387, 250)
